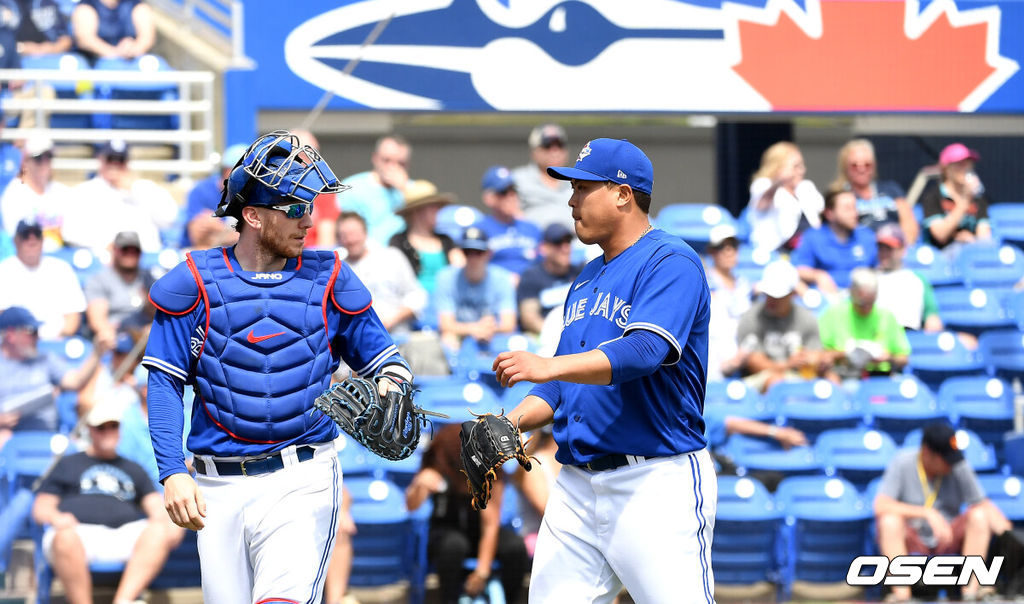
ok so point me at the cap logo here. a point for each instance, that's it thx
(621, 174)
(585, 151)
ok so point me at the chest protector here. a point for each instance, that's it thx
(266, 355)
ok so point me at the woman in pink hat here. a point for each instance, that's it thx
(956, 208)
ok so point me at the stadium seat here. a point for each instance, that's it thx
(857, 454)
(1007, 220)
(24, 458)
(978, 454)
(972, 310)
(132, 90)
(898, 404)
(990, 265)
(931, 264)
(981, 404)
(453, 219)
(1014, 303)
(693, 222)
(1007, 492)
(73, 350)
(1003, 352)
(1013, 452)
(750, 262)
(182, 566)
(814, 406)
(66, 89)
(457, 397)
(746, 526)
(356, 460)
(752, 454)
(733, 397)
(382, 542)
(826, 526)
(935, 357)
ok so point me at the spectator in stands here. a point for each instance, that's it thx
(379, 193)
(340, 568)
(919, 502)
(955, 207)
(513, 240)
(397, 295)
(777, 338)
(118, 295)
(903, 292)
(204, 230)
(114, 201)
(45, 284)
(113, 381)
(100, 507)
(828, 253)
(10, 21)
(534, 487)
(30, 377)
(457, 532)
(878, 202)
(34, 195)
(859, 337)
(113, 28)
(783, 204)
(544, 286)
(325, 207)
(544, 199)
(427, 250)
(475, 300)
(44, 29)
(730, 298)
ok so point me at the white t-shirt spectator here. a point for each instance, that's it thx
(387, 274)
(20, 202)
(50, 291)
(775, 225)
(98, 212)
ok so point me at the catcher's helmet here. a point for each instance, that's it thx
(275, 166)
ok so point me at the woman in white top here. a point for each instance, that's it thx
(782, 202)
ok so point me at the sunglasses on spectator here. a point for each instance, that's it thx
(32, 331)
(473, 252)
(130, 249)
(107, 426)
(865, 164)
(47, 156)
(553, 144)
(295, 210)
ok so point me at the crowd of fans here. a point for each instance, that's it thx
(446, 290)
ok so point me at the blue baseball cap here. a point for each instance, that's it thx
(18, 316)
(124, 343)
(608, 159)
(474, 239)
(498, 178)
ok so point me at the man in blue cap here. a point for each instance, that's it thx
(634, 504)
(545, 284)
(31, 378)
(512, 239)
(203, 229)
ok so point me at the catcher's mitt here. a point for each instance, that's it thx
(389, 427)
(487, 443)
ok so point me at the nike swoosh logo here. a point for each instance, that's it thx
(581, 284)
(255, 339)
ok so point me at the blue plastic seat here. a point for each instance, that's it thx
(747, 522)
(752, 454)
(857, 454)
(382, 543)
(1003, 352)
(933, 265)
(935, 357)
(1014, 303)
(693, 222)
(814, 406)
(453, 219)
(827, 523)
(65, 89)
(980, 455)
(457, 397)
(1007, 219)
(898, 404)
(981, 404)
(972, 310)
(733, 397)
(750, 262)
(1007, 492)
(130, 90)
(990, 265)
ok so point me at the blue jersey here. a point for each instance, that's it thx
(821, 249)
(658, 284)
(257, 368)
(514, 245)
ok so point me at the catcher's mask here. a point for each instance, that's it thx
(274, 167)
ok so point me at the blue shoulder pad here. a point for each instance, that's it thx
(349, 294)
(177, 292)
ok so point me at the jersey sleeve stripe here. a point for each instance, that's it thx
(377, 361)
(661, 331)
(165, 367)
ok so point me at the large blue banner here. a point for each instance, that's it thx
(641, 55)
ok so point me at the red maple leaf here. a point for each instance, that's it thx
(863, 61)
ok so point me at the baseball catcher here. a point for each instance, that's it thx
(388, 425)
(487, 443)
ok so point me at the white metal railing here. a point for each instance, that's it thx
(194, 108)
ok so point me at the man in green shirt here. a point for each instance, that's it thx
(859, 337)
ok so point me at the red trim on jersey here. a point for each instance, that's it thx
(335, 300)
(199, 281)
(227, 260)
(230, 433)
(206, 300)
(299, 264)
(283, 600)
(327, 292)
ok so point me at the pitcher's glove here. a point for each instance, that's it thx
(487, 443)
(389, 427)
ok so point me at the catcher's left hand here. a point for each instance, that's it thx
(387, 425)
